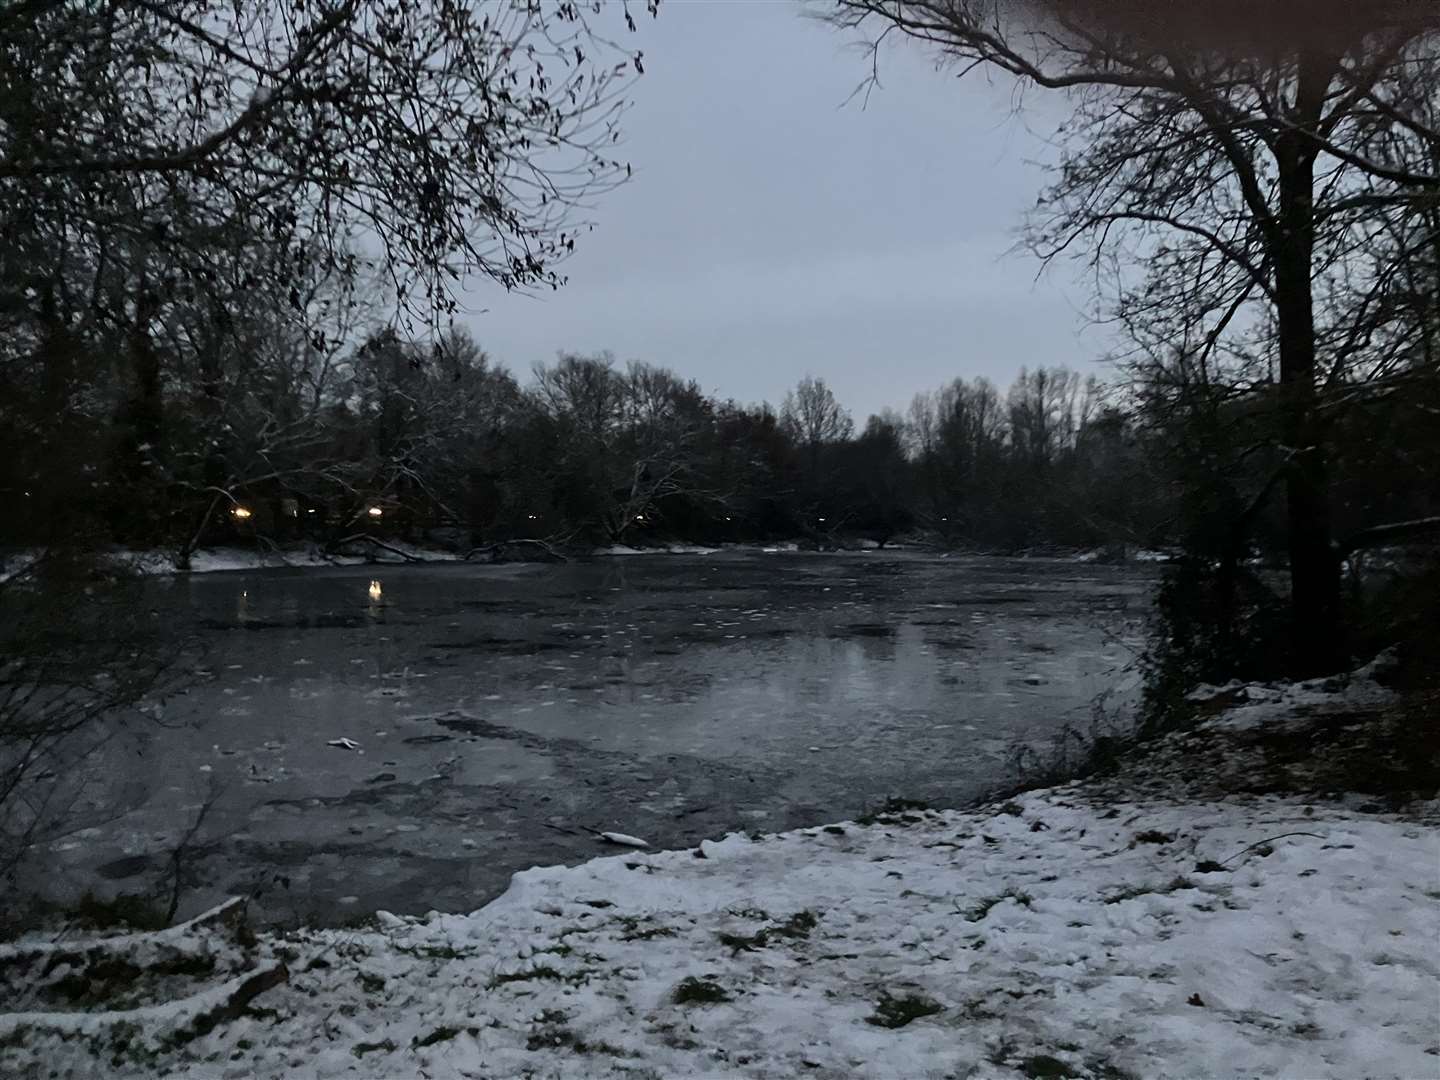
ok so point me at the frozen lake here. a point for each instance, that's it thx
(498, 712)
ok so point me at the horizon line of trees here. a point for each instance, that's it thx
(264, 433)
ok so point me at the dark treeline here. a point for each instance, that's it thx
(256, 430)
(205, 435)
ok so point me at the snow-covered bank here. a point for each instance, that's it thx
(668, 549)
(209, 560)
(1084, 931)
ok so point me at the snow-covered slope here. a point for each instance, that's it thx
(1065, 933)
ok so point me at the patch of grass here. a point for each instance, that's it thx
(1152, 836)
(1130, 892)
(978, 1009)
(750, 913)
(1045, 1067)
(542, 971)
(1073, 752)
(983, 907)
(896, 1012)
(650, 934)
(834, 830)
(693, 991)
(1209, 866)
(1011, 807)
(798, 925)
(562, 1036)
(361, 1049)
(370, 983)
(894, 811)
(1106, 1070)
(433, 952)
(739, 943)
(631, 923)
(110, 980)
(440, 1034)
(126, 911)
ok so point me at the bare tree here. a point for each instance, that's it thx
(1226, 192)
(68, 671)
(457, 139)
(815, 419)
(625, 444)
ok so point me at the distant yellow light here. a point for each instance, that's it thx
(241, 513)
(375, 590)
(375, 511)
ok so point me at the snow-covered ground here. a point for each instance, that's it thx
(1142, 555)
(1075, 931)
(208, 560)
(668, 549)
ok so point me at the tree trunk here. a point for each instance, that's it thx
(140, 507)
(1317, 639)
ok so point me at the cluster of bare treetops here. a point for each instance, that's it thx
(199, 199)
(264, 436)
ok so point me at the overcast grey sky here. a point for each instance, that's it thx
(771, 229)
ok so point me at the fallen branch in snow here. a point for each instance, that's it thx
(230, 915)
(368, 539)
(539, 547)
(193, 1015)
(1268, 839)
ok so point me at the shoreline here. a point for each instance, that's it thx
(1163, 920)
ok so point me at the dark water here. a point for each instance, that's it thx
(499, 712)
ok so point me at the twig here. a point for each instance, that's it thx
(182, 850)
(1267, 840)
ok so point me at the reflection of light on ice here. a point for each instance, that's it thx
(375, 590)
